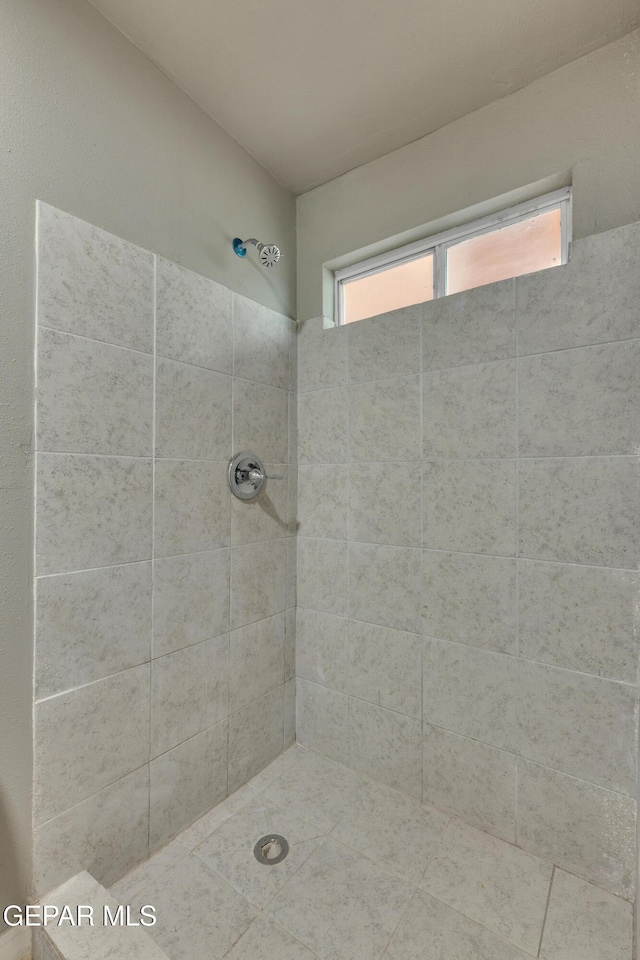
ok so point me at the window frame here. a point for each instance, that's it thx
(439, 244)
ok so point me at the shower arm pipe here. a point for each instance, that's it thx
(244, 244)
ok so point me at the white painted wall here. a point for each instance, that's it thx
(580, 124)
(88, 124)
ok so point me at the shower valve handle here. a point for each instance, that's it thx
(256, 476)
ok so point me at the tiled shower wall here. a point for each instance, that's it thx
(164, 649)
(469, 536)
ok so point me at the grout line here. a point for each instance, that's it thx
(106, 343)
(546, 909)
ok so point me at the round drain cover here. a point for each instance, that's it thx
(271, 849)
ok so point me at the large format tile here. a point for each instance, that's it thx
(93, 397)
(92, 283)
(192, 508)
(148, 871)
(260, 343)
(473, 780)
(266, 517)
(385, 346)
(186, 782)
(193, 318)
(322, 355)
(386, 746)
(450, 936)
(384, 420)
(322, 720)
(265, 941)
(471, 327)
(322, 426)
(582, 618)
(584, 726)
(191, 599)
(592, 299)
(194, 835)
(322, 501)
(189, 692)
(322, 648)
(580, 510)
(580, 826)
(256, 660)
(384, 667)
(258, 581)
(289, 713)
(471, 692)
(470, 411)
(585, 923)
(470, 506)
(261, 420)
(90, 625)
(341, 905)
(493, 882)
(384, 503)
(256, 737)
(290, 643)
(385, 584)
(580, 402)
(322, 575)
(84, 743)
(470, 600)
(193, 412)
(91, 512)
(229, 851)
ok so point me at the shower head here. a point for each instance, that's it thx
(268, 252)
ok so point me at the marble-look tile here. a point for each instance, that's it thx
(267, 516)
(385, 420)
(261, 420)
(194, 318)
(229, 851)
(470, 600)
(322, 501)
(193, 412)
(470, 411)
(450, 935)
(293, 355)
(322, 720)
(322, 426)
(584, 726)
(95, 836)
(470, 506)
(194, 835)
(290, 643)
(189, 692)
(256, 737)
(580, 511)
(93, 397)
(91, 512)
(293, 427)
(581, 618)
(90, 625)
(83, 740)
(384, 503)
(386, 746)
(385, 346)
(470, 779)
(148, 871)
(260, 343)
(92, 283)
(392, 829)
(289, 713)
(191, 599)
(42, 948)
(256, 660)
(585, 923)
(580, 402)
(492, 882)
(384, 667)
(258, 581)
(385, 585)
(291, 586)
(192, 507)
(292, 506)
(592, 299)
(186, 782)
(341, 904)
(471, 327)
(581, 827)
(199, 913)
(322, 575)
(471, 692)
(265, 941)
(322, 355)
(322, 648)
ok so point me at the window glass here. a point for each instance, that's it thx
(399, 286)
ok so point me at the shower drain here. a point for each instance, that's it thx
(271, 849)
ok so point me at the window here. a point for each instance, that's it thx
(523, 239)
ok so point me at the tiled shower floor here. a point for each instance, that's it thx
(371, 873)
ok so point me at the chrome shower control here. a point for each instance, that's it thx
(247, 476)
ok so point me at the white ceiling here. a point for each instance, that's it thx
(313, 88)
